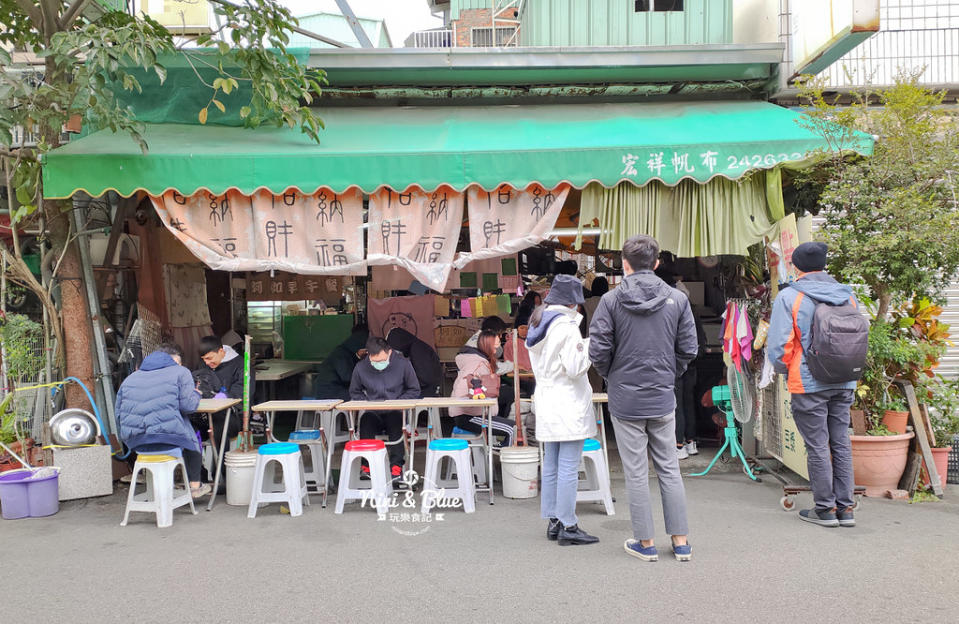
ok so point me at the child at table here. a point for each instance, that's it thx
(479, 363)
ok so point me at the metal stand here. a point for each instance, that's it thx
(735, 450)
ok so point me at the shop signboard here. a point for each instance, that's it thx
(793, 447)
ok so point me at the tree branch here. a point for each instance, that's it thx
(32, 10)
(72, 13)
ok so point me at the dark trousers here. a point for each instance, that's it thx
(373, 424)
(194, 464)
(686, 406)
(507, 395)
(823, 422)
(219, 419)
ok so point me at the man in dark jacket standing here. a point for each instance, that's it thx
(151, 410)
(384, 375)
(642, 337)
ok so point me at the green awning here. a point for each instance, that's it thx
(369, 147)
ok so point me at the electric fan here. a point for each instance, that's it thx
(735, 402)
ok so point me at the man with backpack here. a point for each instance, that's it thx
(818, 336)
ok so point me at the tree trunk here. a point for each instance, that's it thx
(75, 316)
(885, 302)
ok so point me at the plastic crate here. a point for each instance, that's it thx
(953, 476)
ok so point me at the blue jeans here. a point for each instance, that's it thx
(560, 479)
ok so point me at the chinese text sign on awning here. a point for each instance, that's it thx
(507, 220)
(318, 234)
(417, 230)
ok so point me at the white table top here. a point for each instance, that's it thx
(320, 405)
(455, 402)
(600, 397)
(275, 370)
(380, 406)
(210, 406)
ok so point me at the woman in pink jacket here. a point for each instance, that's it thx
(479, 363)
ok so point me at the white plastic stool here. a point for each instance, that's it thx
(458, 451)
(477, 444)
(316, 472)
(161, 496)
(380, 489)
(595, 486)
(292, 490)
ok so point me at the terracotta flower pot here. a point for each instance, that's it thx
(878, 461)
(896, 421)
(940, 457)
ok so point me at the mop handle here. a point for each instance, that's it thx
(15, 456)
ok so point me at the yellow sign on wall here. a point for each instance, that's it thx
(793, 447)
(190, 16)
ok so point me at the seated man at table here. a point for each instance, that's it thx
(426, 364)
(151, 409)
(335, 374)
(384, 375)
(227, 366)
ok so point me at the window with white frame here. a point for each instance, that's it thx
(483, 37)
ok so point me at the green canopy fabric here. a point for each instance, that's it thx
(370, 147)
(721, 217)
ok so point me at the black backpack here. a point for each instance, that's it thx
(838, 342)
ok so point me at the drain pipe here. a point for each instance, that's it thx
(100, 343)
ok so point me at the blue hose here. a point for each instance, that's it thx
(96, 412)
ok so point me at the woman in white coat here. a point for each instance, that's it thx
(563, 404)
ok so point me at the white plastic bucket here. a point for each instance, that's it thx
(240, 468)
(520, 471)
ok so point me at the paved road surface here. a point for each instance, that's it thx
(752, 563)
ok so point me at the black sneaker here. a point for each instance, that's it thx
(396, 473)
(825, 518)
(552, 529)
(846, 517)
(365, 473)
(574, 536)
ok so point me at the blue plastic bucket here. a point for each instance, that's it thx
(22, 496)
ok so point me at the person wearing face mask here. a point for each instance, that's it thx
(563, 405)
(384, 375)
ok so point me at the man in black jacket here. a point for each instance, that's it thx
(384, 375)
(227, 365)
(642, 338)
(426, 364)
(336, 372)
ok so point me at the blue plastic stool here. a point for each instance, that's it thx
(463, 488)
(292, 489)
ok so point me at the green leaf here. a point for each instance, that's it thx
(202, 116)
(219, 105)
(244, 112)
(160, 72)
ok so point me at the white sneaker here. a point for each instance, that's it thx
(681, 452)
(691, 448)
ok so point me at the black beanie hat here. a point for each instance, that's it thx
(810, 257)
(565, 290)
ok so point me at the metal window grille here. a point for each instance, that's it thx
(914, 34)
(483, 37)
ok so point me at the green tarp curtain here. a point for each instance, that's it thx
(717, 218)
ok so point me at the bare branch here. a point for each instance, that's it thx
(31, 10)
(72, 13)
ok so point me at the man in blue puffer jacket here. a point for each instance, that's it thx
(152, 407)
